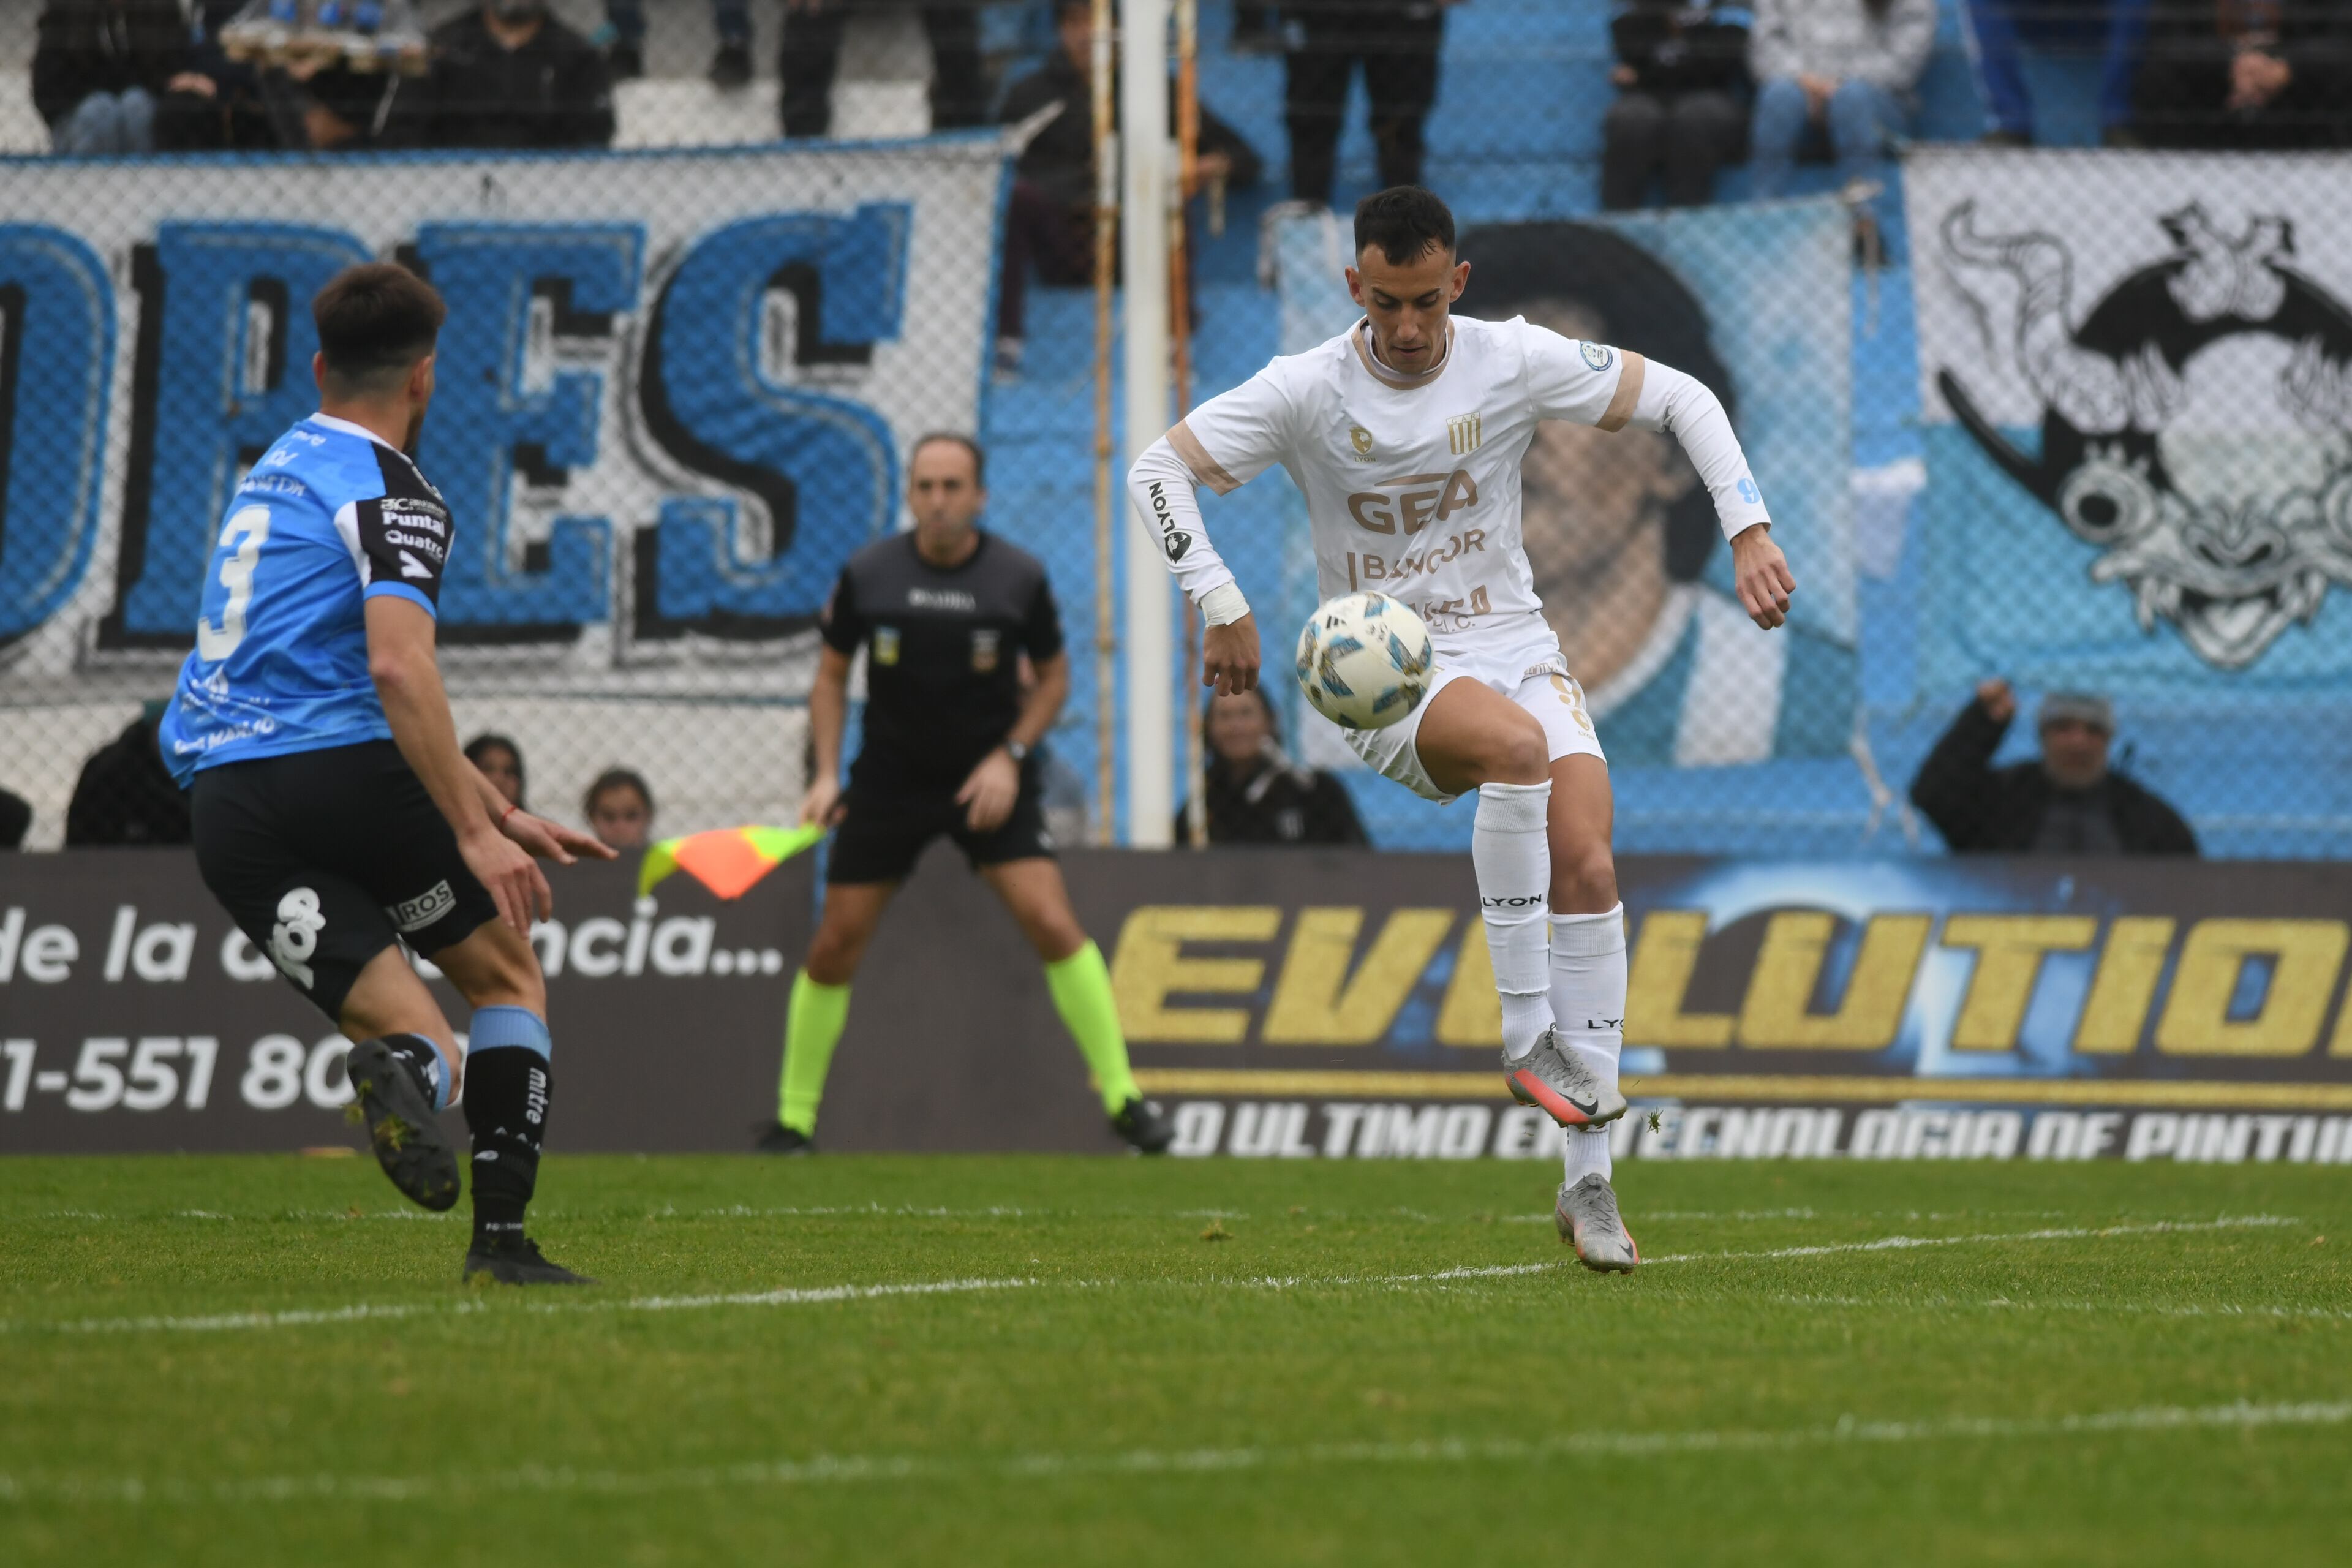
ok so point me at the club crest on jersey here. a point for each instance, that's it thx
(1463, 432)
(1361, 439)
(1596, 355)
(983, 650)
(886, 645)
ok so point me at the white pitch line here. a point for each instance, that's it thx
(856, 1469)
(1903, 1242)
(801, 1296)
(2137, 1309)
(304, 1318)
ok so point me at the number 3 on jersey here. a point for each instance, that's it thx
(249, 529)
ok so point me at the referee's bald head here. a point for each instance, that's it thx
(375, 321)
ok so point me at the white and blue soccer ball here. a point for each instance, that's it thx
(1364, 660)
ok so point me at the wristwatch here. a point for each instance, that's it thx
(1018, 750)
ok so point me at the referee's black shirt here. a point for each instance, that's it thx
(942, 674)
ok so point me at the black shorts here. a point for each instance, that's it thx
(325, 859)
(888, 821)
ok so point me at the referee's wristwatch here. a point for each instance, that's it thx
(1018, 750)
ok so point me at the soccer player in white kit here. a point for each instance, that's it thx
(1405, 435)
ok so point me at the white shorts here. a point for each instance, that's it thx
(1544, 689)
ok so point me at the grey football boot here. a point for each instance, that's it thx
(1588, 1219)
(1553, 1078)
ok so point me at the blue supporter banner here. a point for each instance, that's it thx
(2135, 383)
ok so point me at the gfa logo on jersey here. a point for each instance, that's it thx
(1463, 432)
(1424, 498)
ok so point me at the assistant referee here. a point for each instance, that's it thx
(945, 612)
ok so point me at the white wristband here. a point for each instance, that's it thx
(1224, 604)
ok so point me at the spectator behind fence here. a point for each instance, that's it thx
(108, 75)
(620, 809)
(2114, 28)
(1050, 225)
(16, 819)
(1398, 41)
(1253, 794)
(1841, 70)
(2246, 75)
(509, 74)
(1681, 109)
(125, 795)
(501, 761)
(809, 53)
(624, 55)
(2066, 802)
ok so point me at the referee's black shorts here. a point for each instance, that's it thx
(325, 859)
(889, 818)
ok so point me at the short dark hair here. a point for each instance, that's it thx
(612, 779)
(1405, 221)
(374, 320)
(1639, 305)
(979, 457)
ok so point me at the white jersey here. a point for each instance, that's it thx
(1412, 483)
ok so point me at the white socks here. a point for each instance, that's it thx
(1587, 997)
(1513, 858)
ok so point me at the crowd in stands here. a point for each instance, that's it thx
(1699, 85)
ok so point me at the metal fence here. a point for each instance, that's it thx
(2073, 419)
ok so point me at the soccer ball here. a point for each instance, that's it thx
(1364, 660)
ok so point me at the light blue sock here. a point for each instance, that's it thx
(509, 1027)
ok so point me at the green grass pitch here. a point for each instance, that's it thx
(1042, 1361)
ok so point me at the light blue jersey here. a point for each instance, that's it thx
(329, 518)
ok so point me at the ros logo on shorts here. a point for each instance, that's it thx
(413, 915)
(295, 937)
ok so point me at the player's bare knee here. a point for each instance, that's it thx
(1584, 880)
(1519, 754)
(833, 955)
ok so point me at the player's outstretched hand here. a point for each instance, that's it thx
(1762, 574)
(987, 797)
(822, 805)
(544, 840)
(1229, 656)
(515, 882)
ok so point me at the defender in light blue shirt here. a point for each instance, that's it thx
(329, 518)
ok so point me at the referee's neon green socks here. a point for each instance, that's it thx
(811, 1028)
(1082, 994)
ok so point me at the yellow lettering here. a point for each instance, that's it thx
(1317, 1002)
(2305, 954)
(1415, 507)
(1778, 1012)
(1474, 539)
(2124, 985)
(1150, 966)
(1471, 1015)
(1367, 509)
(1460, 490)
(2010, 949)
(1659, 981)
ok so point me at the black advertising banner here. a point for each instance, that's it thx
(135, 1016)
(1290, 1004)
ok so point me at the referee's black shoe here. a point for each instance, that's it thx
(515, 1262)
(390, 1096)
(776, 1138)
(1145, 1125)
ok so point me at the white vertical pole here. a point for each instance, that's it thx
(1143, 242)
